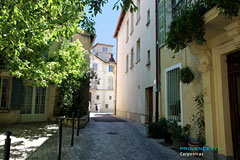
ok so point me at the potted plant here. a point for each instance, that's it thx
(199, 122)
(179, 134)
(186, 75)
(157, 129)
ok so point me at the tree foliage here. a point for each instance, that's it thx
(189, 25)
(29, 27)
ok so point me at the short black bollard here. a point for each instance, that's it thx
(60, 139)
(72, 129)
(7, 145)
(78, 115)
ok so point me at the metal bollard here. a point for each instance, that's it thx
(78, 122)
(7, 145)
(72, 129)
(60, 139)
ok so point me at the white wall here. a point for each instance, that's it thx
(131, 96)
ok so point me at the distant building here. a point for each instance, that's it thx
(136, 63)
(102, 89)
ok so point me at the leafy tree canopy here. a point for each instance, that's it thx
(29, 27)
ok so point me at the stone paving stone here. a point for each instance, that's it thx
(112, 140)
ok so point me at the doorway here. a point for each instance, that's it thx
(234, 96)
(33, 103)
(150, 104)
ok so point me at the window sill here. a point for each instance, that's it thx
(132, 67)
(148, 64)
(138, 20)
(127, 40)
(4, 110)
(138, 61)
(126, 71)
(148, 23)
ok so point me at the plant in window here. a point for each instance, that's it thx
(186, 75)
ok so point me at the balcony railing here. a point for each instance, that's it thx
(177, 8)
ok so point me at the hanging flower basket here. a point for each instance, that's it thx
(186, 75)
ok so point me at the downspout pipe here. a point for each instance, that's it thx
(157, 64)
(115, 108)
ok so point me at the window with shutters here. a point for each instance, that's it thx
(173, 93)
(161, 23)
(127, 33)
(138, 51)
(148, 58)
(110, 68)
(110, 83)
(127, 63)
(148, 17)
(4, 92)
(132, 22)
(138, 10)
(132, 58)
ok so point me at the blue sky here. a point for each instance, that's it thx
(106, 24)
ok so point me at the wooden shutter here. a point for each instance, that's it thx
(16, 94)
(161, 23)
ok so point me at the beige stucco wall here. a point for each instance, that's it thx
(210, 69)
(212, 55)
(13, 116)
(188, 91)
(131, 85)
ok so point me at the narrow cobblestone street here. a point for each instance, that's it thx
(107, 138)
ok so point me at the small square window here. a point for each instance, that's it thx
(97, 97)
(106, 105)
(105, 49)
(110, 97)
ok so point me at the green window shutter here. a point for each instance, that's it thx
(161, 23)
(16, 93)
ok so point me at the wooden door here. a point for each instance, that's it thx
(150, 104)
(234, 96)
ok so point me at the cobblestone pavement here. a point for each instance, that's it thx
(101, 140)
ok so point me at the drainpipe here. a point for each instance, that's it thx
(157, 63)
(115, 108)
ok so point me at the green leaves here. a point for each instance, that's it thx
(30, 27)
(189, 26)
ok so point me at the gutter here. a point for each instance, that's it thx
(157, 64)
(115, 108)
